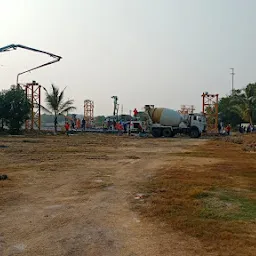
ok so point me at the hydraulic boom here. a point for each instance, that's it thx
(10, 47)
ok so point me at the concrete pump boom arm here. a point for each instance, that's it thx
(15, 46)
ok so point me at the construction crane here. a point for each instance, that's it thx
(15, 46)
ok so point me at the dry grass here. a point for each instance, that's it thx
(214, 202)
(70, 193)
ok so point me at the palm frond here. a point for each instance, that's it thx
(66, 110)
(55, 90)
(52, 99)
(61, 96)
(241, 110)
(66, 104)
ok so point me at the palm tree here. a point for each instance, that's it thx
(245, 102)
(56, 105)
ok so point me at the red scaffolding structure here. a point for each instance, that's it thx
(89, 112)
(33, 94)
(210, 110)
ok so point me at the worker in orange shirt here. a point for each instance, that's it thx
(67, 126)
(119, 128)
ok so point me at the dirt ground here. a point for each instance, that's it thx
(93, 194)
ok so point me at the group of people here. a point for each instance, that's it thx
(75, 124)
(224, 130)
(248, 129)
(242, 129)
(121, 126)
(113, 125)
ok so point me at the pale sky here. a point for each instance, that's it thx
(161, 52)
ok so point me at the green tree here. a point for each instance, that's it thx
(15, 109)
(228, 112)
(244, 101)
(56, 104)
(2, 112)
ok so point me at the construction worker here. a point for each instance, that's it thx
(78, 123)
(83, 124)
(125, 127)
(73, 124)
(67, 128)
(219, 128)
(119, 128)
(114, 125)
(228, 129)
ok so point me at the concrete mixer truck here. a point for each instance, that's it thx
(164, 122)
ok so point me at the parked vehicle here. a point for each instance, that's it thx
(165, 122)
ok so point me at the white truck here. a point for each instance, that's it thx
(165, 122)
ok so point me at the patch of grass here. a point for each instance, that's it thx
(229, 205)
(214, 203)
(234, 139)
(31, 141)
(202, 195)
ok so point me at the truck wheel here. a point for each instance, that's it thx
(156, 132)
(167, 132)
(194, 133)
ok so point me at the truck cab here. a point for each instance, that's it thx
(193, 125)
(199, 121)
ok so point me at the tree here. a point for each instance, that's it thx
(56, 104)
(239, 107)
(2, 112)
(228, 112)
(245, 102)
(15, 108)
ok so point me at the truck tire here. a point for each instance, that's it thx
(167, 132)
(194, 133)
(156, 132)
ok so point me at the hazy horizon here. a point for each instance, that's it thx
(165, 52)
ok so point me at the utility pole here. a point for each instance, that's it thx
(232, 77)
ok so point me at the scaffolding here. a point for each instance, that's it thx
(33, 94)
(187, 109)
(89, 112)
(210, 110)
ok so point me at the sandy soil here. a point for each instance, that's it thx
(74, 195)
